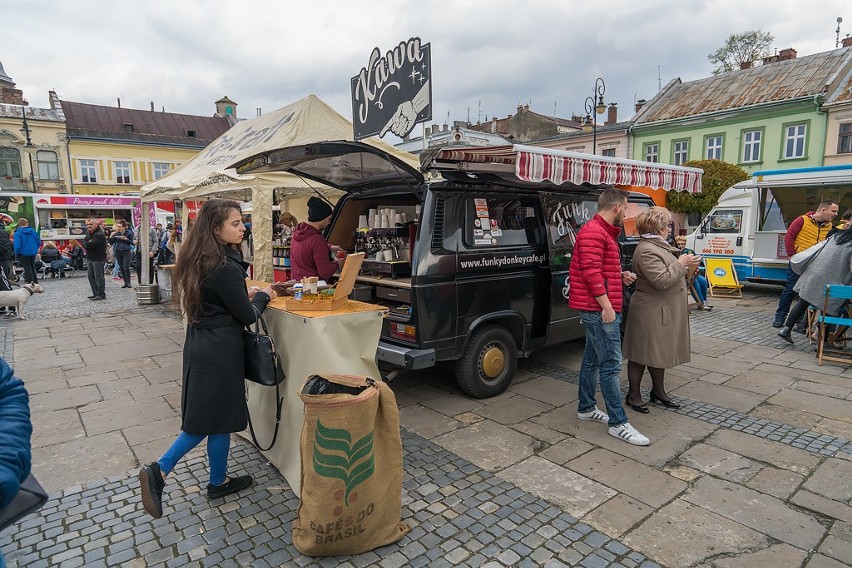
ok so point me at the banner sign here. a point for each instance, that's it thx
(394, 91)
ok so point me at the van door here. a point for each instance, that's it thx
(726, 235)
(564, 214)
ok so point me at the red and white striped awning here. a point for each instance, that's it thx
(539, 164)
(536, 164)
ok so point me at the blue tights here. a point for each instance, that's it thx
(217, 454)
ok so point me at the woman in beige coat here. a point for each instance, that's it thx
(657, 334)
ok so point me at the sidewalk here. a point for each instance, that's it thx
(755, 468)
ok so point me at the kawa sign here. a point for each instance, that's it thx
(394, 91)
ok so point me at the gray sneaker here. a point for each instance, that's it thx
(595, 414)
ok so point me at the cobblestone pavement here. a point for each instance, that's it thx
(755, 468)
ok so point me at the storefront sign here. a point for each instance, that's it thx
(85, 201)
(394, 91)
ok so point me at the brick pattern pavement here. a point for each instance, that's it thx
(460, 516)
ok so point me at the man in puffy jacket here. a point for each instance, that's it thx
(310, 254)
(596, 280)
(6, 253)
(15, 432)
(27, 244)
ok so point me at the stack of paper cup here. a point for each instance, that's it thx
(398, 219)
(384, 221)
(362, 221)
(372, 218)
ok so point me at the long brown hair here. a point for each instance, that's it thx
(200, 254)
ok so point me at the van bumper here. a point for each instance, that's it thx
(405, 357)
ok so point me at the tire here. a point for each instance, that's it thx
(488, 364)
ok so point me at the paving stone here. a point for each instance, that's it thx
(832, 479)
(487, 444)
(513, 410)
(764, 513)
(813, 403)
(618, 515)
(823, 505)
(774, 453)
(720, 463)
(426, 422)
(663, 536)
(777, 482)
(627, 476)
(573, 492)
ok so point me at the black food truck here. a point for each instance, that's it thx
(472, 267)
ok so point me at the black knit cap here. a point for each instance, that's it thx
(318, 209)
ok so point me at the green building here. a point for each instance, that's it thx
(759, 118)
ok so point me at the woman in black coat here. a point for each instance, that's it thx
(210, 288)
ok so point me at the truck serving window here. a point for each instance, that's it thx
(500, 222)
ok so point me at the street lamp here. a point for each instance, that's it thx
(29, 146)
(595, 106)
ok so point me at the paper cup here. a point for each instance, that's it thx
(362, 221)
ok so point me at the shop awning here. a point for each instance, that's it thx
(535, 164)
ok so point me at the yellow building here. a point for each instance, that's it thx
(33, 145)
(117, 150)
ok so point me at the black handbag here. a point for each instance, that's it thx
(29, 499)
(263, 366)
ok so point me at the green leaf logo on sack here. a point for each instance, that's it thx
(335, 456)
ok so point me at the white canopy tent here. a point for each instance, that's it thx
(211, 173)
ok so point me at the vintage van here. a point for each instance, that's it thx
(472, 268)
(750, 220)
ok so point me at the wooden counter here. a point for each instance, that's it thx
(384, 281)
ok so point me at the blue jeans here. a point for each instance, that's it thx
(122, 260)
(787, 296)
(601, 358)
(701, 286)
(217, 454)
(96, 277)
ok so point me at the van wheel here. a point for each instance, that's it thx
(488, 364)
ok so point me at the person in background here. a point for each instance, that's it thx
(702, 286)
(833, 265)
(597, 282)
(52, 259)
(159, 229)
(310, 253)
(210, 288)
(287, 223)
(95, 243)
(7, 253)
(657, 334)
(15, 436)
(844, 224)
(122, 241)
(27, 244)
(804, 232)
(74, 252)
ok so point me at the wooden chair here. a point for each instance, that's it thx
(830, 352)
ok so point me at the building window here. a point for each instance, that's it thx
(122, 172)
(652, 152)
(844, 139)
(128, 128)
(190, 133)
(681, 152)
(608, 152)
(87, 171)
(160, 170)
(714, 148)
(794, 141)
(48, 166)
(10, 163)
(751, 145)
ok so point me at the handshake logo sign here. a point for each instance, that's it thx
(394, 91)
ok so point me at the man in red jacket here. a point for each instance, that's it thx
(596, 280)
(310, 253)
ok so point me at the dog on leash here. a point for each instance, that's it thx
(17, 298)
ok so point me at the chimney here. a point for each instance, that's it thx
(846, 42)
(152, 106)
(520, 108)
(639, 104)
(787, 54)
(428, 132)
(611, 114)
(746, 65)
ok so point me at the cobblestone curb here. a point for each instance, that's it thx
(459, 514)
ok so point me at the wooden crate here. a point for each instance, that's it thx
(344, 287)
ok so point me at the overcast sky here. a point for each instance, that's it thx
(488, 56)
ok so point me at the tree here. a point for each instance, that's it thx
(718, 176)
(740, 48)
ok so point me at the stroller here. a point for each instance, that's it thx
(5, 285)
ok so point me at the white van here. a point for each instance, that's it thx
(749, 222)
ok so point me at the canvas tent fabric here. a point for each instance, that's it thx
(210, 172)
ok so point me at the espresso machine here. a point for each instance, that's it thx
(387, 250)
